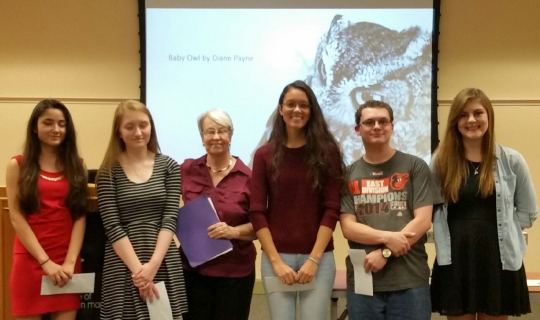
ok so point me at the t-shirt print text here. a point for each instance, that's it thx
(379, 196)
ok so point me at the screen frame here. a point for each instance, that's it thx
(434, 55)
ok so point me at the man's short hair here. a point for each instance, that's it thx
(373, 104)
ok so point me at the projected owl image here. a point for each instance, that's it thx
(356, 62)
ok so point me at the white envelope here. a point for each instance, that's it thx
(533, 283)
(79, 283)
(274, 284)
(363, 281)
(160, 309)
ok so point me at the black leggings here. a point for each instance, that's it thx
(218, 298)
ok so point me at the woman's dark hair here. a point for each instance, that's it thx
(320, 144)
(67, 155)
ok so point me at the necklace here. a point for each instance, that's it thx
(52, 179)
(475, 168)
(220, 170)
(133, 166)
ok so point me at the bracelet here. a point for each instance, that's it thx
(314, 260)
(44, 262)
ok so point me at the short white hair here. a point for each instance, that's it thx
(219, 116)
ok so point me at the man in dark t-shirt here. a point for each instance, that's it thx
(387, 213)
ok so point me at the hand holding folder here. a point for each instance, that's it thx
(194, 219)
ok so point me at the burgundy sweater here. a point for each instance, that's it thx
(291, 209)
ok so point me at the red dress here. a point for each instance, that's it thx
(52, 226)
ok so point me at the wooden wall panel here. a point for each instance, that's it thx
(8, 236)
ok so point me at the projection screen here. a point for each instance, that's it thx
(238, 57)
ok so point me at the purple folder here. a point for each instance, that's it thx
(194, 219)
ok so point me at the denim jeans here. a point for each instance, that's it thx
(313, 304)
(413, 304)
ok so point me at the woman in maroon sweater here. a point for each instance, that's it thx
(295, 193)
(222, 287)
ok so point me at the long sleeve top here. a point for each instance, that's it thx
(289, 206)
(516, 209)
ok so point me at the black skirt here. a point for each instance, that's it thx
(475, 281)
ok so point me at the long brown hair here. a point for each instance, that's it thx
(116, 144)
(67, 155)
(320, 144)
(451, 165)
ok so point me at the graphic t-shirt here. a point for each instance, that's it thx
(384, 197)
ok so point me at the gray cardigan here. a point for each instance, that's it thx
(516, 209)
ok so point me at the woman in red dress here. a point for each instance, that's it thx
(47, 192)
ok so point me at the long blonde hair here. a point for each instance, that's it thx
(451, 165)
(116, 144)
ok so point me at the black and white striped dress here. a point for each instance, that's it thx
(139, 211)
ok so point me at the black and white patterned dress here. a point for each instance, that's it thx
(139, 211)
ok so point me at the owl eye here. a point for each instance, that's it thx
(361, 95)
(365, 96)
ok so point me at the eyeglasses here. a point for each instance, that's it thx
(292, 105)
(370, 123)
(222, 132)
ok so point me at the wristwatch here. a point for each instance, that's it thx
(386, 253)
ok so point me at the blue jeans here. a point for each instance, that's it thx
(313, 304)
(413, 304)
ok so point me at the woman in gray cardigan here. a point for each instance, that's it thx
(489, 198)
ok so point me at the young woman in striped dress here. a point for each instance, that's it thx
(138, 195)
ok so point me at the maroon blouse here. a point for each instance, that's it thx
(231, 199)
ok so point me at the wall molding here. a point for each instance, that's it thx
(66, 100)
(502, 103)
(514, 102)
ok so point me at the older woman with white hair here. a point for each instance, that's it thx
(220, 288)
